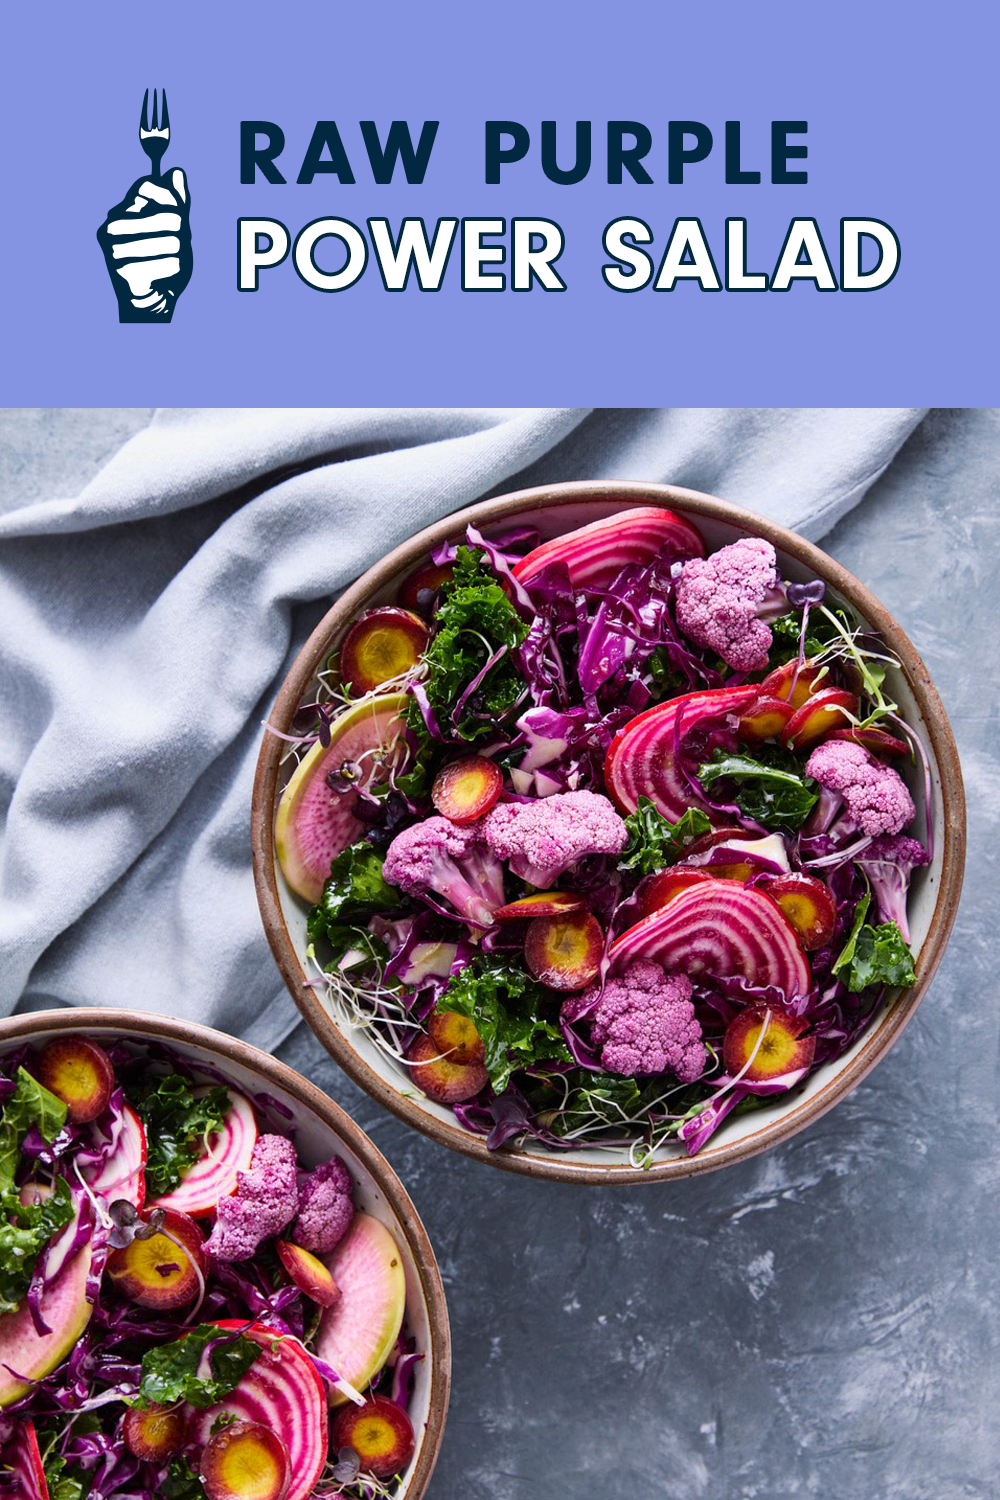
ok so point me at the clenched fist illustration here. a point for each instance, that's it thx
(146, 239)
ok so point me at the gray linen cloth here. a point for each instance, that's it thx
(146, 624)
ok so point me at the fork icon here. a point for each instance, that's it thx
(154, 139)
(146, 238)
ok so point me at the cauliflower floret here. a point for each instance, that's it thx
(644, 1023)
(265, 1201)
(325, 1207)
(722, 602)
(541, 839)
(868, 795)
(441, 858)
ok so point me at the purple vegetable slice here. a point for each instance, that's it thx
(19, 1453)
(724, 930)
(315, 823)
(594, 555)
(214, 1174)
(281, 1391)
(123, 1174)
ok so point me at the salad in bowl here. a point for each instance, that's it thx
(605, 839)
(204, 1289)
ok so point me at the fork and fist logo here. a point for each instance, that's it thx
(146, 238)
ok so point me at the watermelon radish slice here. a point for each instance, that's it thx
(123, 1174)
(282, 1391)
(20, 1454)
(722, 929)
(23, 1352)
(642, 758)
(357, 1334)
(595, 554)
(213, 1175)
(316, 823)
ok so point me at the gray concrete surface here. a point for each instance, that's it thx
(821, 1321)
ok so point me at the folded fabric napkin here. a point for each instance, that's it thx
(146, 624)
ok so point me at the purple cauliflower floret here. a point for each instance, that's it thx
(441, 859)
(724, 601)
(644, 1023)
(541, 839)
(889, 862)
(861, 793)
(266, 1200)
(326, 1207)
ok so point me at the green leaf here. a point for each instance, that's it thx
(820, 633)
(508, 1007)
(30, 1104)
(354, 892)
(874, 955)
(62, 1483)
(181, 1482)
(474, 618)
(770, 790)
(653, 841)
(170, 1371)
(25, 1230)
(178, 1126)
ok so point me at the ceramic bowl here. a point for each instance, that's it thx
(934, 895)
(322, 1129)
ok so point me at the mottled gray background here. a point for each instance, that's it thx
(822, 1320)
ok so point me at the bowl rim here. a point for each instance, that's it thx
(623, 495)
(165, 1028)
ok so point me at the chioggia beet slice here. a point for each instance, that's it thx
(165, 1270)
(642, 758)
(381, 645)
(594, 555)
(281, 1392)
(21, 1458)
(564, 952)
(381, 1434)
(123, 1173)
(809, 906)
(721, 929)
(315, 822)
(154, 1433)
(773, 1041)
(467, 789)
(357, 1335)
(78, 1072)
(456, 1036)
(214, 1175)
(439, 1076)
(245, 1461)
(308, 1273)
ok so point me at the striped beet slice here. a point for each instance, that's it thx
(123, 1174)
(723, 930)
(594, 554)
(642, 758)
(19, 1454)
(213, 1175)
(283, 1391)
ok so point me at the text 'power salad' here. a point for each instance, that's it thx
(186, 1310)
(605, 839)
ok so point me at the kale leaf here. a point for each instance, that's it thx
(29, 1104)
(170, 1372)
(25, 1230)
(178, 1124)
(507, 1007)
(874, 955)
(354, 892)
(770, 790)
(820, 633)
(61, 1482)
(653, 841)
(474, 618)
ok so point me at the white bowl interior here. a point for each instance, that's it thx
(923, 894)
(316, 1141)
